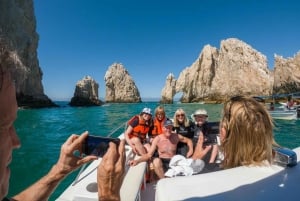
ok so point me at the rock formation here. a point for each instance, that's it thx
(169, 91)
(120, 87)
(18, 32)
(235, 69)
(86, 93)
(287, 74)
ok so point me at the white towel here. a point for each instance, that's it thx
(179, 166)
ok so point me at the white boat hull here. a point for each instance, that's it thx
(284, 114)
(241, 183)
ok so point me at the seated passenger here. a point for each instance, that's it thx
(158, 121)
(290, 103)
(200, 126)
(184, 127)
(166, 145)
(136, 133)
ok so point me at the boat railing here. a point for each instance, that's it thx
(124, 124)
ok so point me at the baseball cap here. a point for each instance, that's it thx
(147, 111)
(168, 123)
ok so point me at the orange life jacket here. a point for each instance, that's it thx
(157, 127)
(139, 130)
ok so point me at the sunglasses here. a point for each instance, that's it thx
(231, 101)
(180, 115)
(200, 116)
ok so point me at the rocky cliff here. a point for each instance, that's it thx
(120, 87)
(235, 69)
(169, 91)
(86, 93)
(287, 74)
(18, 30)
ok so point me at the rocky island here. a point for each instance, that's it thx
(234, 69)
(86, 93)
(120, 87)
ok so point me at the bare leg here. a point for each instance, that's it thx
(158, 168)
(138, 146)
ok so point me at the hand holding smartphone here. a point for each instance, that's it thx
(97, 145)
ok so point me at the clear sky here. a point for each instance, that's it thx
(152, 38)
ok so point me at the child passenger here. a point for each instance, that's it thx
(136, 133)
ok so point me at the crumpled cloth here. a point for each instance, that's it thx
(181, 166)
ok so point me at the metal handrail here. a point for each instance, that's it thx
(116, 129)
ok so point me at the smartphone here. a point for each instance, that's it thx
(97, 145)
(211, 133)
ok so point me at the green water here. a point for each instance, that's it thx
(42, 131)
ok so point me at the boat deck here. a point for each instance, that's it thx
(84, 188)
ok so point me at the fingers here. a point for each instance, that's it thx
(86, 160)
(121, 150)
(110, 157)
(206, 149)
(201, 138)
(75, 141)
(132, 162)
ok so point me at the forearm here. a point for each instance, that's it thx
(42, 189)
(143, 158)
(191, 149)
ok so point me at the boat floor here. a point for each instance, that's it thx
(148, 193)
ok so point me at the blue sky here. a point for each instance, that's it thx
(152, 38)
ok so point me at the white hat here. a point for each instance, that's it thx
(147, 111)
(199, 112)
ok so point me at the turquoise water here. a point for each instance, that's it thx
(42, 131)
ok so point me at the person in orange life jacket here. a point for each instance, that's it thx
(184, 127)
(158, 124)
(166, 145)
(200, 119)
(137, 130)
(158, 121)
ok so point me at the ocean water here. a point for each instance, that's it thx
(43, 131)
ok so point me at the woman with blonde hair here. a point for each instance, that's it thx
(246, 133)
(184, 127)
(158, 121)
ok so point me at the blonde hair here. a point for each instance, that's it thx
(159, 109)
(249, 133)
(186, 120)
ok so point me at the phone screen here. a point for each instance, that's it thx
(97, 145)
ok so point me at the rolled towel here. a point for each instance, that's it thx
(181, 166)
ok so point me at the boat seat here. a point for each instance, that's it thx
(133, 182)
(240, 183)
